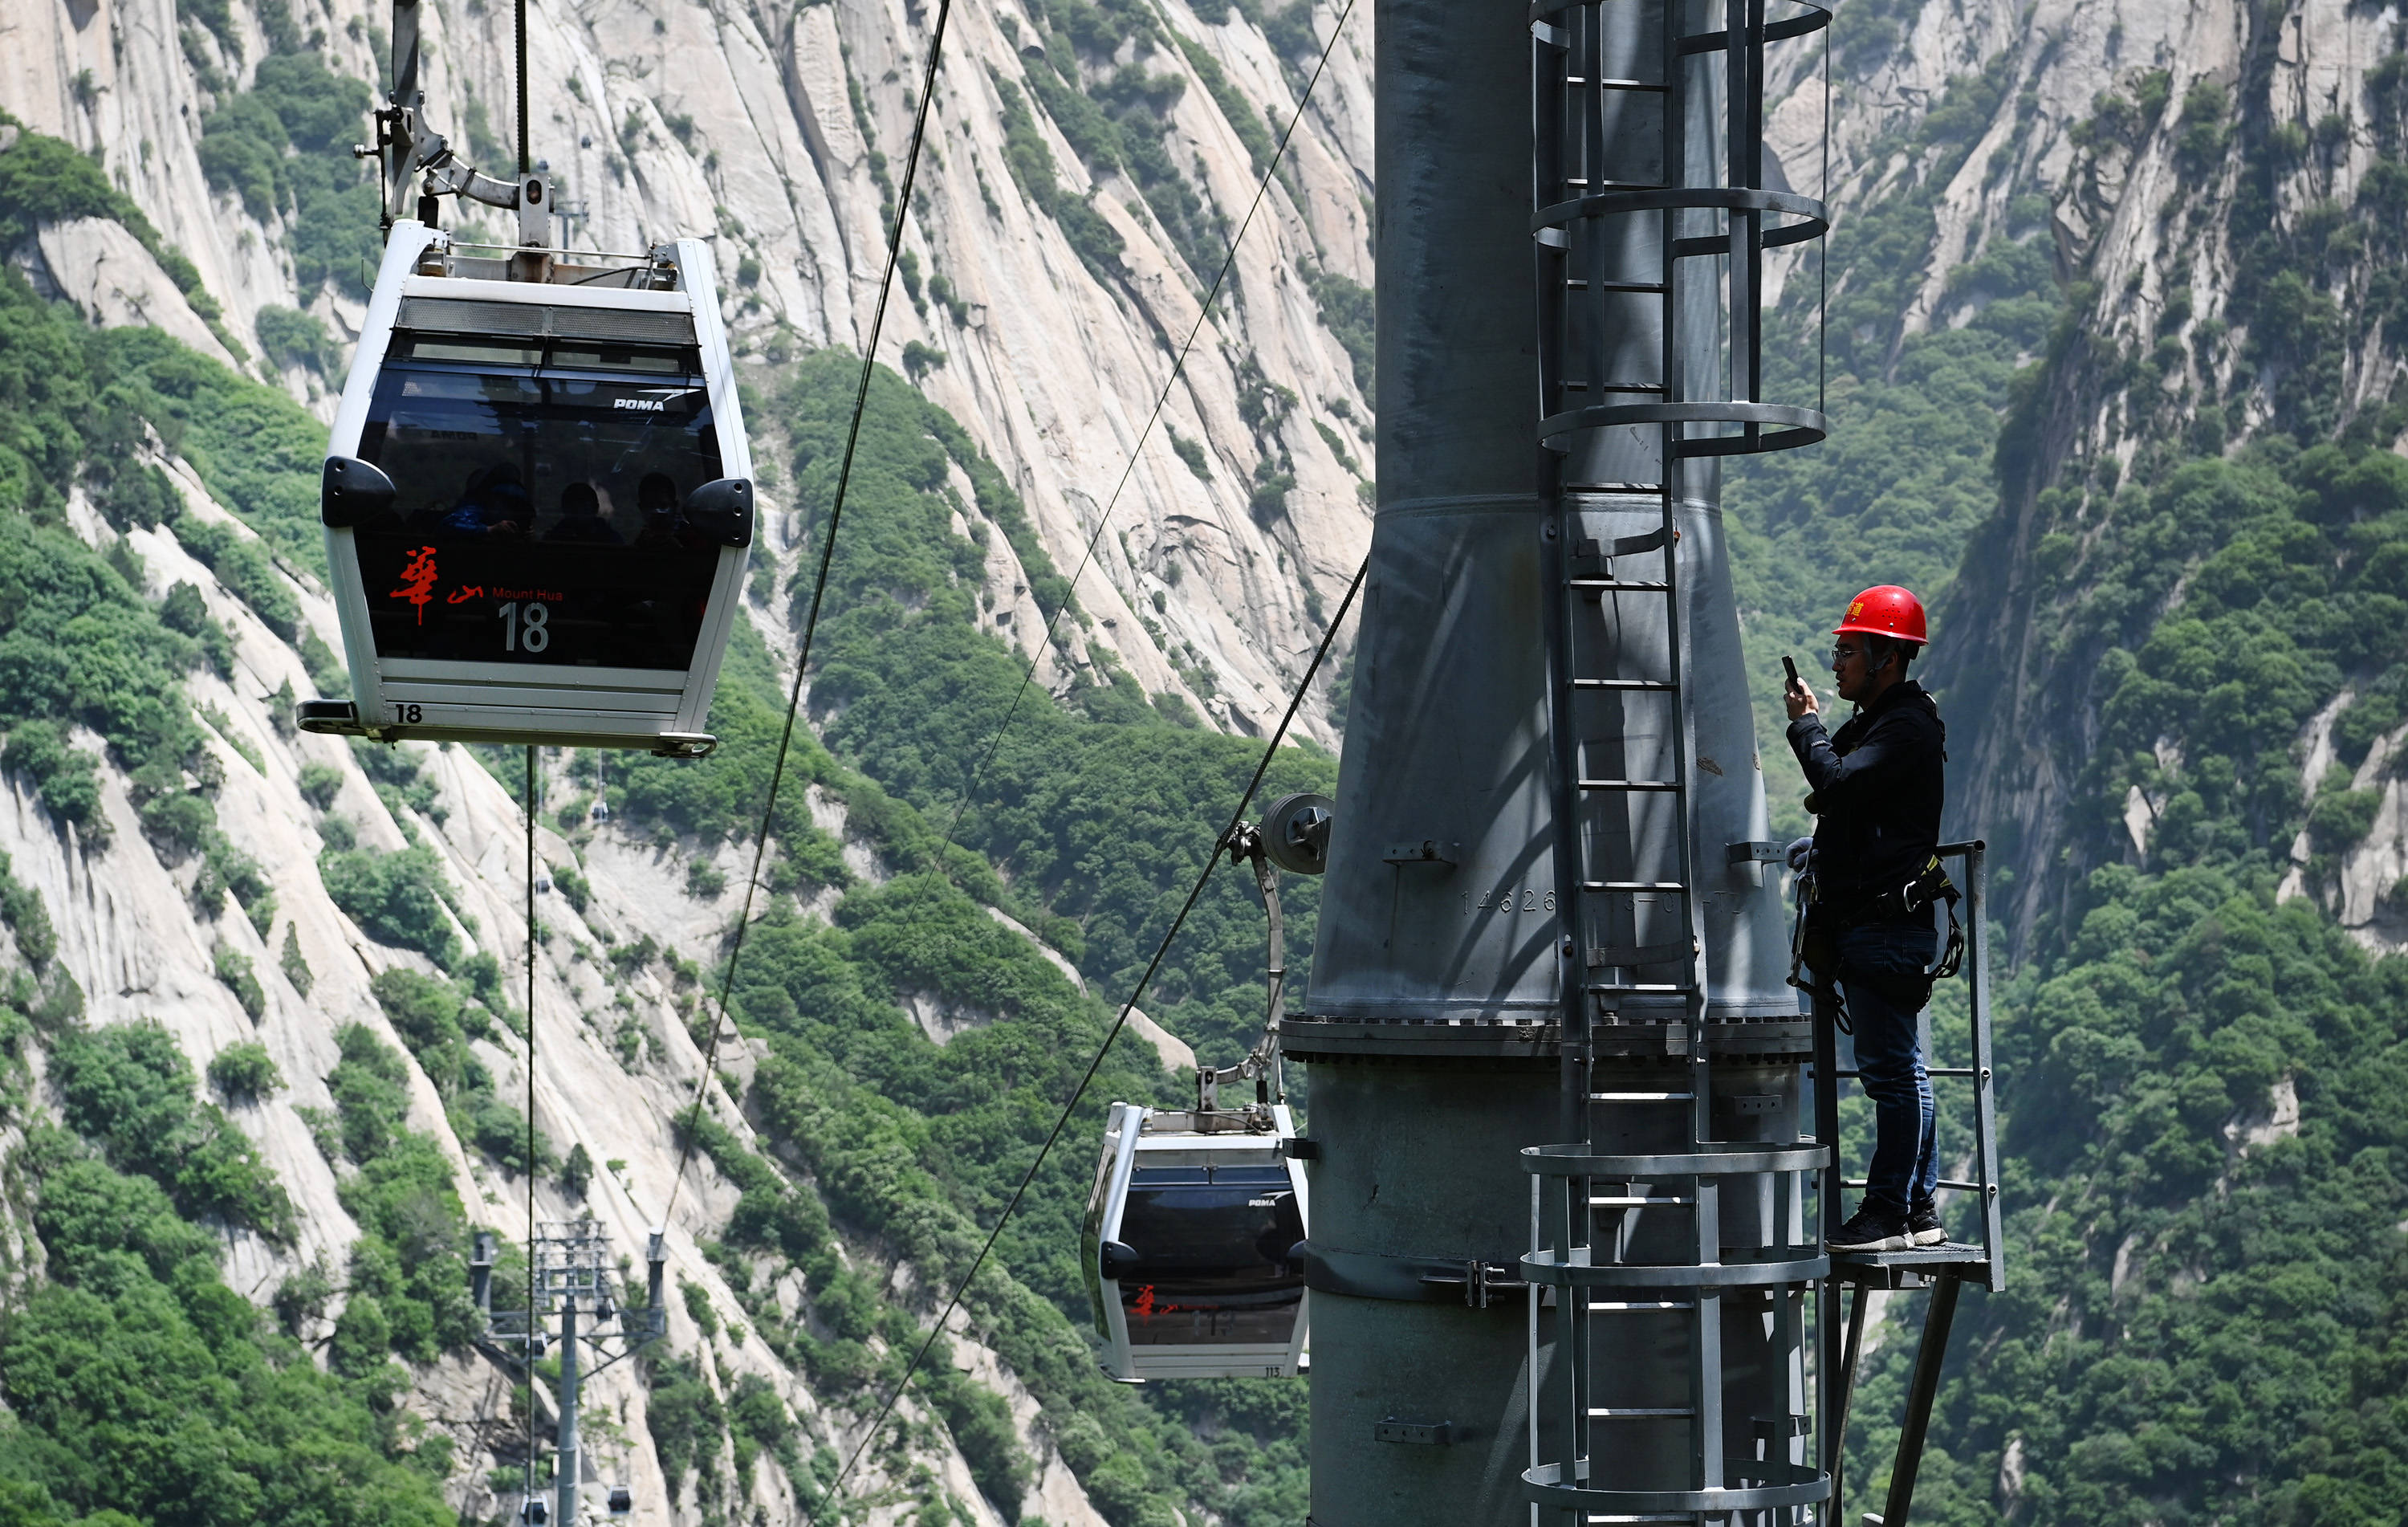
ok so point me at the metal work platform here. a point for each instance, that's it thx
(1943, 1270)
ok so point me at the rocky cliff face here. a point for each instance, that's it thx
(2196, 182)
(779, 134)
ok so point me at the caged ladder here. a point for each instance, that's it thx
(1651, 228)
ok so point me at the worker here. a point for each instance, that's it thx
(1870, 935)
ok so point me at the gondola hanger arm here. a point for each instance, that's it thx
(410, 147)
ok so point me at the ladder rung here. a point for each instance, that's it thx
(1629, 584)
(1582, 284)
(1643, 1097)
(1659, 686)
(1629, 784)
(1614, 84)
(1612, 386)
(1606, 1413)
(1641, 1202)
(1927, 1071)
(1657, 489)
(1644, 988)
(1640, 885)
(1640, 1306)
(1615, 185)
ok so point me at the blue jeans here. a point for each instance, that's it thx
(1905, 1169)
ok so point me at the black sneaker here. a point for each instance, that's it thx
(1923, 1223)
(1873, 1230)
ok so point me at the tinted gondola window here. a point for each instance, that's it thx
(538, 516)
(1214, 1246)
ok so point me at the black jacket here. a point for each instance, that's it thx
(1878, 792)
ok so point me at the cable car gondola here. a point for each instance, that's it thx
(1191, 1245)
(538, 495)
(1193, 1237)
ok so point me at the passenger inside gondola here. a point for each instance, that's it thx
(580, 518)
(495, 506)
(656, 495)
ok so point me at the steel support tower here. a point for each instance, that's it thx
(569, 1278)
(1560, 1254)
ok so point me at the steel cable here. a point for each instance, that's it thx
(801, 669)
(818, 593)
(531, 808)
(1178, 370)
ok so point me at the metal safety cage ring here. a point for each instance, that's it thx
(1813, 218)
(1792, 425)
(1810, 19)
(1789, 1484)
(1712, 1158)
(1813, 18)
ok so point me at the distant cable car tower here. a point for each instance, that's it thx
(1562, 1146)
(569, 1278)
(538, 495)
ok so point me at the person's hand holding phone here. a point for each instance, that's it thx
(1796, 695)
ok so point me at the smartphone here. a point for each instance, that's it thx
(1789, 665)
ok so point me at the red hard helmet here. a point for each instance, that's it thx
(1884, 610)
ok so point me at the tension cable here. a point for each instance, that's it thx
(819, 592)
(531, 807)
(1178, 370)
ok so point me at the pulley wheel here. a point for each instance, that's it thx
(1296, 833)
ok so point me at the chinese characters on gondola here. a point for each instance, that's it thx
(418, 580)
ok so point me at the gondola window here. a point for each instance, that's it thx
(537, 516)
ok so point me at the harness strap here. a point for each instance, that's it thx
(1819, 977)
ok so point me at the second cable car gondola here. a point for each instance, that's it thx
(1194, 1226)
(1191, 1245)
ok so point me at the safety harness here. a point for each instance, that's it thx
(1814, 941)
